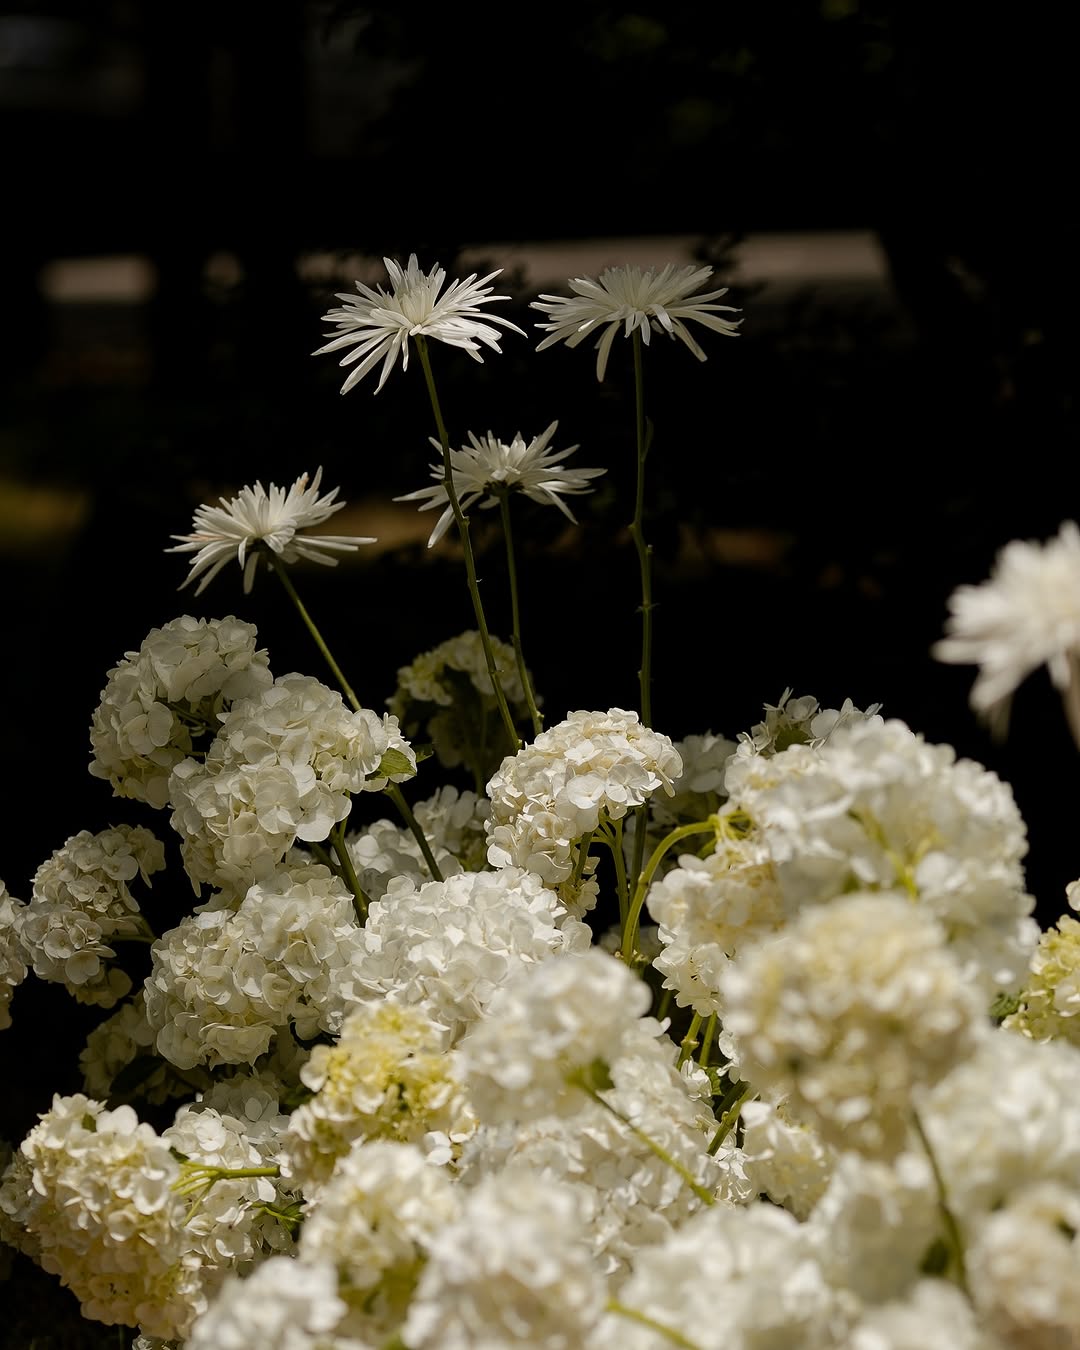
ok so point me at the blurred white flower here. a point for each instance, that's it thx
(274, 519)
(488, 465)
(1026, 615)
(646, 301)
(378, 324)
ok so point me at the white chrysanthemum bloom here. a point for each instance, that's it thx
(877, 807)
(224, 981)
(851, 1011)
(244, 526)
(513, 1270)
(1026, 615)
(454, 823)
(378, 324)
(13, 955)
(375, 1219)
(282, 1305)
(933, 1315)
(389, 1076)
(487, 467)
(554, 791)
(755, 1263)
(1049, 1006)
(706, 909)
(1024, 1269)
(449, 945)
(282, 768)
(784, 1159)
(630, 1197)
(165, 700)
(81, 902)
(635, 301)
(125, 1042)
(104, 1217)
(545, 1028)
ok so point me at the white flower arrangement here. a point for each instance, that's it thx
(422, 1083)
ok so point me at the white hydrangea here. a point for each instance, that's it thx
(799, 721)
(454, 824)
(283, 1305)
(730, 1278)
(699, 789)
(933, 1315)
(876, 807)
(13, 955)
(1049, 1005)
(513, 1270)
(389, 1076)
(104, 1217)
(449, 945)
(554, 791)
(81, 902)
(706, 908)
(544, 1028)
(850, 1011)
(375, 1220)
(164, 700)
(124, 1040)
(225, 980)
(281, 769)
(784, 1159)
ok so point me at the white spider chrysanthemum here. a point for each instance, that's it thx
(378, 324)
(236, 526)
(488, 466)
(1026, 615)
(649, 301)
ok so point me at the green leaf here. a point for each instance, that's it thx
(392, 763)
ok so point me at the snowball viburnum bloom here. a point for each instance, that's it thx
(488, 466)
(274, 519)
(644, 302)
(378, 324)
(1026, 615)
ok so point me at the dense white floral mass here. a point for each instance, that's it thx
(281, 769)
(13, 955)
(283, 1305)
(454, 824)
(119, 1054)
(1049, 1005)
(224, 980)
(166, 698)
(554, 791)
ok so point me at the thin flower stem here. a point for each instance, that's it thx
(466, 545)
(523, 670)
(952, 1227)
(704, 1195)
(348, 872)
(584, 844)
(612, 836)
(707, 1040)
(280, 568)
(689, 1041)
(637, 533)
(633, 919)
(398, 798)
(665, 1004)
(643, 1319)
(730, 1116)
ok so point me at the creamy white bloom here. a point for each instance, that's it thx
(784, 1159)
(487, 467)
(125, 1041)
(378, 324)
(242, 527)
(799, 721)
(513, 1270)
(1049, 1005)
(13, 955)
(851, 1010)
(635, 301)
(1026, 615)
(933, 1315)
(165, 699)
(282, 1305)
(454, 823)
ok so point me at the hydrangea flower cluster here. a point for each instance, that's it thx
(164, 700)
(554, 791)
(1050, 1002)
(13, 956)
(454, 823)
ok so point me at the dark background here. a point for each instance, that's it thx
(817, 489)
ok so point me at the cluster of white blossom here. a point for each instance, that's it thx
(119, 1060)
(1049, 1004)
(281, 769)
(454, 825)
(283, 1305)
(164, 700)
(13, 955)
(556, 790)
(225, 980)
(81, 902)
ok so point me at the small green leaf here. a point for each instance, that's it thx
(392, 763)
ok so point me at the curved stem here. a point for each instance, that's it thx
(398, 798)
(644, 1320)
(689, 1041)
(612, 837)
(952, 1227)
(348, 872)
(668, 842)
(730, 1116)
(582, 858)
(280, 568)
(637, 533)
(650, 1143)
(466, 545)
(707, 1040)
(519, 655)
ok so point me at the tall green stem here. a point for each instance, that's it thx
(462, 522)
(948, 1218)
(633, 919)
(519, 655)
(644, 1320)
(689, 1041)
(348, 872)
(637, 533)
(398, 798)
(611, 834)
